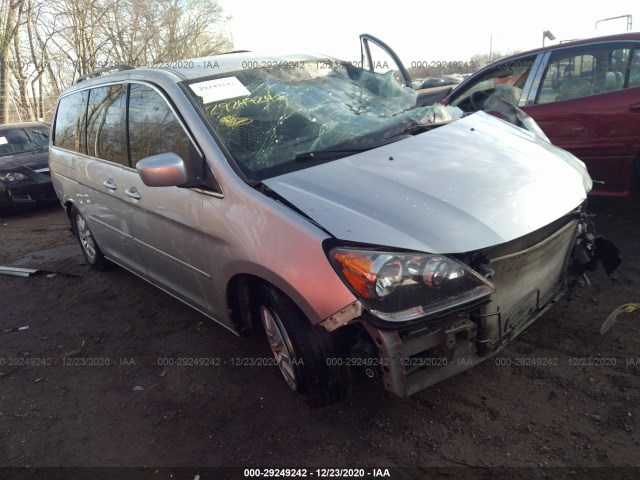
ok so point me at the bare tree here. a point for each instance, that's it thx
(20, 68)
(151, 31)
(77, 27)
(11, 11)
(45, 46)
(39, 60)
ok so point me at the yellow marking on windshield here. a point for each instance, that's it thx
(233, 121)
(240, 103)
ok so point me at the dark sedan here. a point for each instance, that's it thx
(24, 166)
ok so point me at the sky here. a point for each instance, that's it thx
(418, 30)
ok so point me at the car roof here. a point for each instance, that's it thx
(621, 37)
(233, 62)
(194, 68)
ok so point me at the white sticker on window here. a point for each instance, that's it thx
(220, 89)
(3, 141)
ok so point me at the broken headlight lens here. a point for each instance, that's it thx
(404, 286)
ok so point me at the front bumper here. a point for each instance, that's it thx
(527, 283)
(25, 194)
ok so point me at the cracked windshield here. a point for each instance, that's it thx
(277, 120)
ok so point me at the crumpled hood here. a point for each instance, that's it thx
(471, 184)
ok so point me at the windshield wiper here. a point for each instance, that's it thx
(332, 154)
(327, 154)
(417, 128)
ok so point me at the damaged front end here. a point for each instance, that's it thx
(526, 277)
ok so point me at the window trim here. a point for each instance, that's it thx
(126, 84)
(167, 100)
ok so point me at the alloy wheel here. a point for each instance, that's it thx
(85, 237)
(280, 346)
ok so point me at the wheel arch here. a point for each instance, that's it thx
(310, 346)
(312, 285)
(242, 296)
(68, 204)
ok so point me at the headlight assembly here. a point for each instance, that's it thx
(12, 176)
(404, 286)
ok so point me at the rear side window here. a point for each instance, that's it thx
(106, 124)
(70, 120)
(153, 127)
(582, 73)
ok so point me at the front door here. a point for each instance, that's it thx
(166, 222)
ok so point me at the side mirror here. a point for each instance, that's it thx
(163, 170)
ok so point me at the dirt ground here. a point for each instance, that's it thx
(86, 384)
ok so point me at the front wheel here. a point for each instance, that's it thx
(308, 356)
(90, 249)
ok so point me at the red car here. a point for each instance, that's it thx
(585, 95)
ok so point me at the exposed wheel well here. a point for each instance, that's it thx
(242, 293)
(67, 209)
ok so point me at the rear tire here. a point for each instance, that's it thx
(308, 356)
(92, 253)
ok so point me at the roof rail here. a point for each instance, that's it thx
(97, 73)
(233, 51)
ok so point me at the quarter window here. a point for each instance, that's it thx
(106, 124)
(69, 129)
(153, 127)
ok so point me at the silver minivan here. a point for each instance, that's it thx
(318, 202)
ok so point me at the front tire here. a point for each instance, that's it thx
(308, 356)
(92, 253)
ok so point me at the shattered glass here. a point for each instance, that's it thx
(293, 115)
(504, 102)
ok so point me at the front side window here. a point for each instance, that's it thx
(70, 122)
(106, 124)
(514, 73)
(582, 73)
(153, 127)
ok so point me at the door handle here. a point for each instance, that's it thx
(133, 193)
(109, 184)
(635, 107)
